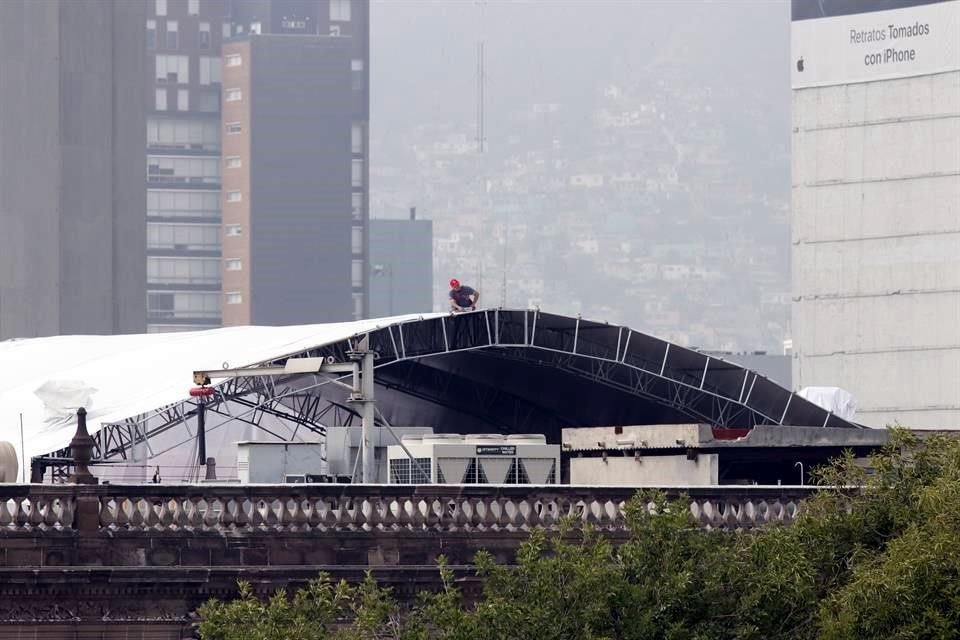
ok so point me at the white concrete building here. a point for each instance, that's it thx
(671, 455)
(876, 206)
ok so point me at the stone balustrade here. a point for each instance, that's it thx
(471, 509)
(138, 559)
(37, 507)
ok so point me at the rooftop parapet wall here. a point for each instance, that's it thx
(703, 436)
(111, 556)
(150, 510)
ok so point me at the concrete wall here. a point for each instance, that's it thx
(648, 470)
(343, 443)
(72, 177)
(129, 243)
(657, 436)
(876, 236)
(29, 168)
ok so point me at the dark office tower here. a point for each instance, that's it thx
(183, 163)
(295, 116)
(71, 167)
(401, 267)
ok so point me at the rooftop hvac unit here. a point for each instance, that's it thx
(476, 459)
(278, 462)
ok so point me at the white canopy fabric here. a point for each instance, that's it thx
(44, 380)
(834, 399)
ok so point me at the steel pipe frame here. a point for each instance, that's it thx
(511, 334)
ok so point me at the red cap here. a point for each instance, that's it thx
(454, 284)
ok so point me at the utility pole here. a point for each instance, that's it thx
(361, 391)
(366, 380)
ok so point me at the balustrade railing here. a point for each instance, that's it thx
(29, 508)
(321, 508)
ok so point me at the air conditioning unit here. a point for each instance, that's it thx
(277, 462)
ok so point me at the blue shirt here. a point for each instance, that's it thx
(461, 297)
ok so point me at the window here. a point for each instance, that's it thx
(183, 304)
(183, 236)
(233, 95)
(225, 30)
(208, 101)
(151, 34)
(234, 196)
(161, 100)
(183, 100)
(193, 7)
(170, 203)
(183, 270)
(288, 24)
(232, 162)
(233, 264)
(161, 7)
(233, 127)
(204, 35)
(357, 202)
(173, 39)
(234, 60)
(209, 70)
(185, 170)
(183, 134)
(233, 297)
(356, 173)
(340, 10)
(234, 230)
(356, 274)
(173, 69)
(159, 302)
(356, 240)
(356, 138)
(256, 28)
(356, 74)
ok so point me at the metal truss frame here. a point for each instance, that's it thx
(690, 383)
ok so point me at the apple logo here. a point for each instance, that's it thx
(800, 64)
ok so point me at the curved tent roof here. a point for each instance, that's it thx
(117, 377)
(489, 370)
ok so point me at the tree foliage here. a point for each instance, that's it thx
(874, 554)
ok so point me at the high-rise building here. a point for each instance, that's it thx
(876, 205)
(183, 163)
(287, 249)
(295, 119)
(401, 266)
(71, 167)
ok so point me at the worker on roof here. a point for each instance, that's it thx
(462, 297)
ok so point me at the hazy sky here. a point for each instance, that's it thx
(424, 52)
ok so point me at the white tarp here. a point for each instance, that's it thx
(44, 380)
(833, 399)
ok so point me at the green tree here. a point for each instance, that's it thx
(899, 548)
(874, 554)
(323, 610)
